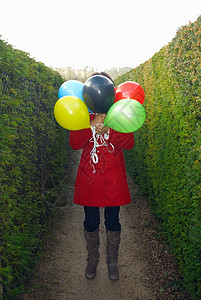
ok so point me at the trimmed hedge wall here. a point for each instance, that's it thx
(33, 151)
(166, 159)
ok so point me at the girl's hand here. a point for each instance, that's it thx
(98, 122)
(105, 130)
(100, 129)
(99, 118)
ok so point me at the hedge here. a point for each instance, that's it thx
(166, 159)
(33, 149)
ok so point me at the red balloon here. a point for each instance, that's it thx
(130, 90)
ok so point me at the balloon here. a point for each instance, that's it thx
(98, 93)
(130, 90)
(71, 88)
(125, 116)
(72, 113)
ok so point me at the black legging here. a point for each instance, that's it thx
(92, 218)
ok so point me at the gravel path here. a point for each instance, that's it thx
(147, 270)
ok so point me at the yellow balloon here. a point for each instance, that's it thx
(72, 113)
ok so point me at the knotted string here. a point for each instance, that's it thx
(100, 143)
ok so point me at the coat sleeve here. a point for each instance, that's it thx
(79, 138)
(121, 140)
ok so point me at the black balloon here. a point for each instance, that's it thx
(98, 93)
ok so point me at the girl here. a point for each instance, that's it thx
(101, 182)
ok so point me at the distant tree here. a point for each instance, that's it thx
(82, 74)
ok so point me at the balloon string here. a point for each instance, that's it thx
(94, 139)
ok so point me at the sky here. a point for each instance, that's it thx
(89, 33)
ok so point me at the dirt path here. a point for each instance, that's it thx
(147, 271)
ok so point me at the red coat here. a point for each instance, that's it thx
(107, 185)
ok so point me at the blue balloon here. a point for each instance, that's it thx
(71, 88)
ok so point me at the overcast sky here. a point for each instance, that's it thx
(100, 34)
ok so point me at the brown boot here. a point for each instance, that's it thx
(92, 239)
(113, 241)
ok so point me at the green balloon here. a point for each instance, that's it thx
(125, 116)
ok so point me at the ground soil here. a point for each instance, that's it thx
(147, 269)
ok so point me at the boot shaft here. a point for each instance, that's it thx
(92, 239)
(112, 248)
(93, 242)
(113, 241)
